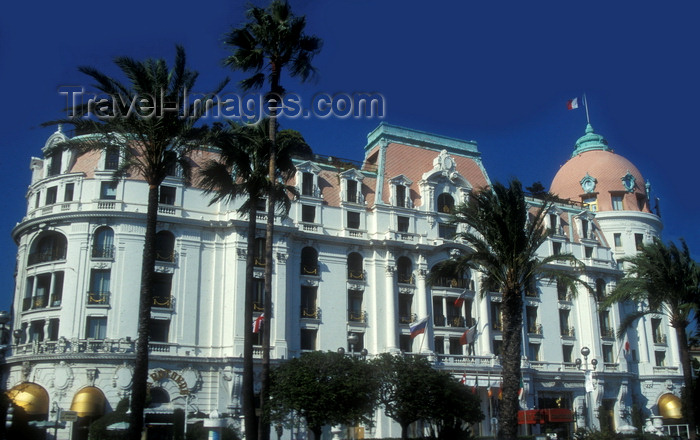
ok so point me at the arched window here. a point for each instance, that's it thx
(355, 271)
(103, 243)
(260, 251)
(50, 246)
(159, 397)
(165, 246)
(309, 261)
(445, 203)
(404, 270)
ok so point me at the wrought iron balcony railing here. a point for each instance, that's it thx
(103, 252)
(98, 298)
(357, 316)
(310, 312)
(163, 302)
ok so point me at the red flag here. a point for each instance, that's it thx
(500, 391)
(460, 299)
(463, 380)
(627, 347)
(476, 385)
(257, 324)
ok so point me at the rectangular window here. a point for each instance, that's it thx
(57, 294)
(108, 191)
(162, 287)
(584, 228)
(561, 291)
(639, 241)
(534, 351)
(308, 339)
(400, 196)
(112, 158)
(531, 314)
(660, 357)
(591, 203)
(351, 191)
(455, 346)
(36, 331)
(656, 333)
(51, 194)
(567, 353)
(96, 327)
(307, 184)
(496, 321)
(258, 294)
(41, 295)
(617, 203)
(405, 303)
(28, 292)
(497, 347)
(261, 205)
(588, 252)
(606, 330)
(68, 193)
(53, 329)
(37, 200)
(99, 286)
(308, 214)
(353, 220)
(355, 313)
(447, 232)
(553, 223)
(564, 325)
(167, 195)
(618, 240)
(308, 302)
(55, 166)
(556, 248)
(608, 354)
(402, 223)
(439, 345)
(158, 330)
(406, 343)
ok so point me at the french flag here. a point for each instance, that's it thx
(460, 299)
(572, 104)
(418, 327)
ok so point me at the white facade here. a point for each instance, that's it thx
(351, 259)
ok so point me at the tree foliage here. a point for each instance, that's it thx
(411, 390)
(667, 280)
(146, 123)
(323, 388)
(504, 234)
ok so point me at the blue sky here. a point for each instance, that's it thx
(498, 73)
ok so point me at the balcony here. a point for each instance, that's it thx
(163, 256)
(357, 316)
(404, 278)
(456, 321)
(258, 306)
(356, 274)
(407, 318)
(163, 302)
(439, 320)
(607, 333)
(103, 252)
(534, 329)
(45, 257)
(568, 332)
(659, 339)
(310, 313)
(98, 298)
(309, 269)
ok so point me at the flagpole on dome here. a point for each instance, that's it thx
(585, 104)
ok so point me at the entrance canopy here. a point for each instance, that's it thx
(89, 401)
(31, 397)
(670, 407)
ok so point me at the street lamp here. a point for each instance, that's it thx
(588, 378)
(352, 340)
(56, 410)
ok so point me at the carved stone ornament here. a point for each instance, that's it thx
(241, 253)
(282, 257)
(588, 183)
(91, 374)
(193, 378)
(122, 377)
(628, 181)
(62, 376)
(390, 270)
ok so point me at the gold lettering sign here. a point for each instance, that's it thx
(161, 374)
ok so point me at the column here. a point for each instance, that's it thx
(422, 308)
(390, 314)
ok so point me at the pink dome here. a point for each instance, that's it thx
(596, 175)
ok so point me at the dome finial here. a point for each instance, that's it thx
(590, 141)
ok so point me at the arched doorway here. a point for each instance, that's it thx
(30, 402)
(89, 403)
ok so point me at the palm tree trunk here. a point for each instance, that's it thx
(688, 409)
(140, 378)
(248, 391)
(510, 361)
(264, 429)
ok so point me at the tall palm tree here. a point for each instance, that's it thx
(151, 141)
(273, 39)
(504, 234)
(241, 171)
(667, 280)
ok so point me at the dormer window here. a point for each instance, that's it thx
(617, 202)
(590, 203)
(445, 203)
(351, 186)
(55, 164)
(401, 192)
(307, 179)
(586, 226)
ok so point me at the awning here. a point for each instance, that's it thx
(551, 415)
(670, 406)
(89, 401)
(31, 397)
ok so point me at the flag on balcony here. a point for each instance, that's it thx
(460, 299)
(258, 323)
(627, 346)
(463, 380)
(475, 388)
(500, 391)
(418, 327)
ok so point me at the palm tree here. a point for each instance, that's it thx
(271, 40)
(151, 141)
(241, 171)
(667, 280)
(504, 234)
